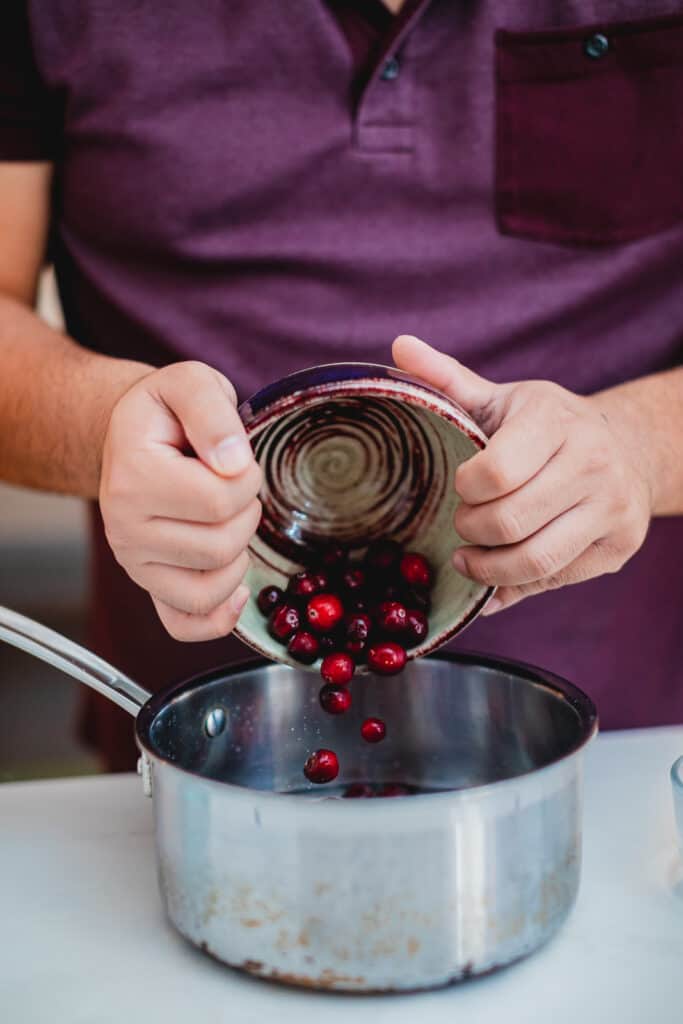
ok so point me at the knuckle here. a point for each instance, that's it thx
(497, 474)
(508, 526)
(538, 563)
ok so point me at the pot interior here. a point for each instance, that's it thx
(452, 722)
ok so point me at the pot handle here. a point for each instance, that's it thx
(76, 661)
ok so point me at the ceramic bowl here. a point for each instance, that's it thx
(352, 452)
(677, 786)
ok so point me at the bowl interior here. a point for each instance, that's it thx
(452, 722)
(353, 460)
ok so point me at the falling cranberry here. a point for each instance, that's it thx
(353, 581)
(391, 617)
(335, 699)
(417, 627)
(416, 570)
(304, 646)
(324, 611)
(358, 790)
(373, 730)
(304, 585)
(268, 599)
(333, 557)
(283, 622)
(383, 555)
(321, 766)
(337, 669)
(386, 658)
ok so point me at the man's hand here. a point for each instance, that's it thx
(561, 493)
(178, 524)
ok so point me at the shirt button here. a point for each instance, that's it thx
(391, 70)
(596, 46)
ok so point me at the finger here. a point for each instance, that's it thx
(217, 624)
(203, 400)
(191, 590)
(544, 554)
(513, 518)
(196, 545)
(472, 392)
(183, 489)
(518, 450)
(587, 566)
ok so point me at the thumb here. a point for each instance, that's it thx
(468, 389)
(204, 403)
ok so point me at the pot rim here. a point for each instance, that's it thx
(579, 701)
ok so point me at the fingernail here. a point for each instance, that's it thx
(459, 563)
(232, 455)
(240, 598)
(494, 605)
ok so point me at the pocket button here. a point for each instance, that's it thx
(596, 46)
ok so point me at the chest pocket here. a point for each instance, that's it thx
(589, 134)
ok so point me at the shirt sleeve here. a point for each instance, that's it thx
(27, 119)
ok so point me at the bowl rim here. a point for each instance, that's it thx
(677, 774)
(582, 704)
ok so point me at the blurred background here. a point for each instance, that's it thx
(43, 573)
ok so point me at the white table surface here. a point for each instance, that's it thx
(83, 939)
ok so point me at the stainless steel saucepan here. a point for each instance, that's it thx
(267, 873)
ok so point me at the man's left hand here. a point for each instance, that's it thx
(561, 493)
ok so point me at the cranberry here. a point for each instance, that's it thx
(304, 647)
(373, 730)
(335, 699)
(416, 570)
(386, 658)
(383, 555)
(321, 766)
(329, 642)
(337, 669)
(268, 599)
(333, 557)
(353, 581)
(393, 789)
(391, 617)
(283, 622)
(417, 626)
(323, 581)
(303, 584)
(358, 789)
(358, 626)
(324, 611)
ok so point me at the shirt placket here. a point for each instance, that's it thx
(385, 122)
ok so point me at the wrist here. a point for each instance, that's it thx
(628, 422)
(111, 380)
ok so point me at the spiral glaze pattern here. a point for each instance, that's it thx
(352, 468)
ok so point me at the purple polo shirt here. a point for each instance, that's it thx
(506, 181)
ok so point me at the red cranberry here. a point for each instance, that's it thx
(358, 789)
(358, 626)
(329, 642)
(417, 626)
(386, 658)
(335, 699)
(337, 669)
(333, 557)
(303, 584)
(268, 599)
(304, 647)
(393, 789)
(321, 766)
(373, 730)
(323, 581)
(324, 611)
(283, 622)
(416, 570)
(353, 580)
(391, 617)
(383, 555)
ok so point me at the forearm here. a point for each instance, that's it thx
(650, 410)
(56, 398)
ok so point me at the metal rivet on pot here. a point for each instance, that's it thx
(214, 723)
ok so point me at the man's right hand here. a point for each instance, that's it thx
(179, 522)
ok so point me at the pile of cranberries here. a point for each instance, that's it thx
(350, 613)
